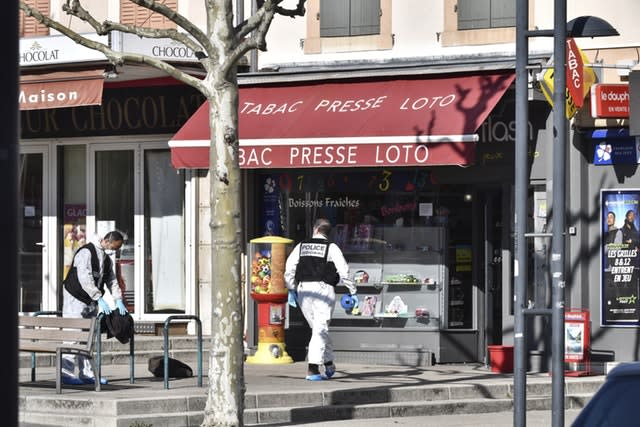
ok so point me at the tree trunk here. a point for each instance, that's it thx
(225, 400)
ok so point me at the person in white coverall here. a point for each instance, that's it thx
(313, 269)
(91, 272)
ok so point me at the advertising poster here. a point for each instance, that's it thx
(74, 233)
(620, 262)
(576, 335)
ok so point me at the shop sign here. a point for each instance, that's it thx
(617, 152)
(400, 122)
(574, 97)
(162, 48)
(620, 250)
(610, 101)
(354, 154)
(57, 50)
(575, 67)
(60, 89)
(124, 111)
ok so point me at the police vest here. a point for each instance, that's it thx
(71, 282)
(312, 263)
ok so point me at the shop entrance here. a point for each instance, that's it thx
(33, 218)
(493, 243)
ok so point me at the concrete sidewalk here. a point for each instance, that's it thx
(274, 378)
(279, 395)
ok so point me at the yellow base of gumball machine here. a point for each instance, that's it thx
(270, 353)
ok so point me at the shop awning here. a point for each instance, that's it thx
(60, 89)
(402, 122)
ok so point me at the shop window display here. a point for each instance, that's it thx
(406, 236)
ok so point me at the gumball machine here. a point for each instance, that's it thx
(266, 279)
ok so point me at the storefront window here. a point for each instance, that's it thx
(114, 205)
(31, 213)
(72, 160)
(395, 226)
(164, 236)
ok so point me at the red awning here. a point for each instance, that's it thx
(60, 89)
(349, 124)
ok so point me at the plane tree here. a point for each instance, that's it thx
(219, 47)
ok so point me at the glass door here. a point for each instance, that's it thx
(33, 219)
(135, 190)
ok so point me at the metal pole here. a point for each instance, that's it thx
(9, 118)
(254, 52)
(521, 190)
(239, 12)
(558, 216)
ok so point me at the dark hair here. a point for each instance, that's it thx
(322, 226)
(611, 213)
(114, 236)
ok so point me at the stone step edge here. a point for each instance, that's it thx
(260, 417)
(317, 414)
(51, 404)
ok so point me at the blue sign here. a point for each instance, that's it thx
(615, 147)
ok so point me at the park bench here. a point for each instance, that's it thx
(58, 335)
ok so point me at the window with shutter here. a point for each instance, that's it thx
(334, 18)
(503, 13)
(344, 18)
(133, 14)
(479, 14)
(365, 17)
(29, 27)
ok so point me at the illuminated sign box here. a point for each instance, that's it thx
(610, 101)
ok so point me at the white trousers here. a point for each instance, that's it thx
(316, 300)
(72, 307)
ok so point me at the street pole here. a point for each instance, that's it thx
(520, 202)
(559, 205)
(558, 209)
(9, 214)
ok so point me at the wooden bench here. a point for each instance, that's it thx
(58, 335)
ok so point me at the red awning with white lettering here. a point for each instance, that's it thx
(400, 122)
(60, 89)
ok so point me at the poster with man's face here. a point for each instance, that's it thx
(620, 245)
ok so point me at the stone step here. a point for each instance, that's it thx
(188, 410)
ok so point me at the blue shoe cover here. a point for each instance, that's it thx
(314, 377)
(89, 380)
(67, 380)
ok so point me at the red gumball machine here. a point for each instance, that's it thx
(266, 278)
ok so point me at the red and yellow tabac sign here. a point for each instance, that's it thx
(580, 78)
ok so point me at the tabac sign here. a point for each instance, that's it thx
(580, 77)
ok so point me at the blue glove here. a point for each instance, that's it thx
(121, 308)
(292, 298)
(104, 306)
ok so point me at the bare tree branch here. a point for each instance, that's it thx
(75, 8)
(116, 58)
(180, 21)
(247, 26)
(292, 13)
(262, 19)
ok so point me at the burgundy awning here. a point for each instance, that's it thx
(60, 89)
(400, 122)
